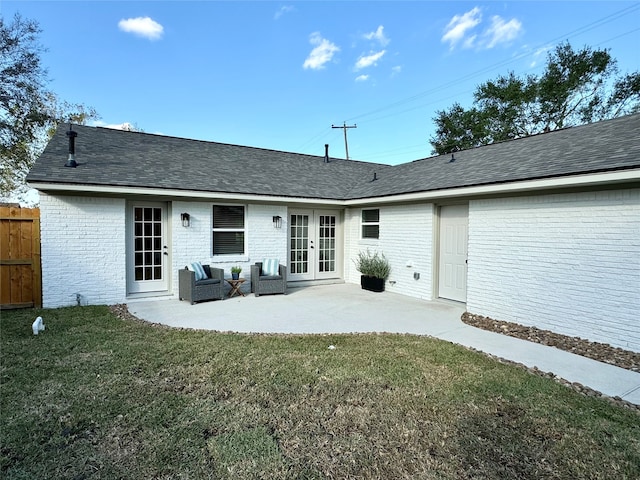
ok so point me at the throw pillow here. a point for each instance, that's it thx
(199, 271)
(270, 266)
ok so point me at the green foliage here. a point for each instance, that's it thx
(29, 112)
(373, 264)
(576, 87)
(236, 269)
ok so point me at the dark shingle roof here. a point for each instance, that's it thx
(598, 147)
(128, 159)
(110, 157)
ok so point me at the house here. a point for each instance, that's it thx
(542, 231)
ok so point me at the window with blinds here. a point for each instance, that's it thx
(371, 223)
(228, 230)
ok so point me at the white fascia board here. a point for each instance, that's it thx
(191, 194)
(589, 180)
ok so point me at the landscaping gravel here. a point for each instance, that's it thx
(601, 352)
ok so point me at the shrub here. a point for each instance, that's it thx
(373, 265)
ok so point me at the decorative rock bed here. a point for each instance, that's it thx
(601, 352)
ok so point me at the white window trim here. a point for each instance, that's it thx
(363, 223)
(234, 257)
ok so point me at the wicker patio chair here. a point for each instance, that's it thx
(268, 284)
(211, 288)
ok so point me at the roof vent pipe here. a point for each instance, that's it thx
(71, 162)
(326, 153)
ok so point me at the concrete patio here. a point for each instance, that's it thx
(346, 308)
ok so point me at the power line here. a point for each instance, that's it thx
(590, 26)
(586, 28)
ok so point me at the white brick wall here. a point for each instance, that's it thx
(196, 242)
(264, 239)
(568, 263)
(406, 237)
(83, 250)
(191, 244)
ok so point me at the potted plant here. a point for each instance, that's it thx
(235, 272)
(375, 270)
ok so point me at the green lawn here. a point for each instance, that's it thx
(95, 396)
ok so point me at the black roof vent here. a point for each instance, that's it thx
(326, 153)
(71, 161)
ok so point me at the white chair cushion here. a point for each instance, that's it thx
(270, 266)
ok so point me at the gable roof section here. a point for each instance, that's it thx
(113, 158)
(606, 146)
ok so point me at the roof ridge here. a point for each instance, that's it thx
(215, 142)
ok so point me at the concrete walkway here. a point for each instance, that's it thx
(346, 308)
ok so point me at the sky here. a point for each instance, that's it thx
(280, 75)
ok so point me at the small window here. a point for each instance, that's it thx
(228, 230)
(371, 223)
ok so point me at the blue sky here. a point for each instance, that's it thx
(278, 75)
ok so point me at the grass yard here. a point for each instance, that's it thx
(95, 396)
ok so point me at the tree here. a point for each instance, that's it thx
(575, 88)
(29, 112)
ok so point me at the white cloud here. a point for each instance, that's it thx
(362, 78)
(367, 60)
(142, 26)
(115, 126)
(501, 31)
(537, 54)
(396, 70)
(284, 9)
(470, 41)
(459, 25)
(322, 53)
(379, 36)
(461, 31)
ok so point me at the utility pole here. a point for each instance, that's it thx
(344, 127)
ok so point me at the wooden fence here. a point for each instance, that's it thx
(20, 268)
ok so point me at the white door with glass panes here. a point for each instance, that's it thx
(313, 245)
(148, 252)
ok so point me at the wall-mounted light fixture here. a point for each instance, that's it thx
(277, 221)
(185, 218)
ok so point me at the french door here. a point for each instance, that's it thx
(147, 247)
(314, 245)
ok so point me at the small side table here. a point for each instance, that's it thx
(235, 286)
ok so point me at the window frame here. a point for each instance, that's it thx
(364, 224)
(244, 230)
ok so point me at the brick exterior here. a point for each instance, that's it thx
(406, 238)
(569, 263)
(565, 262)
(83, 250)
(264, 240)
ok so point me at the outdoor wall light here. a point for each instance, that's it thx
(186, 219)
(277, 221)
